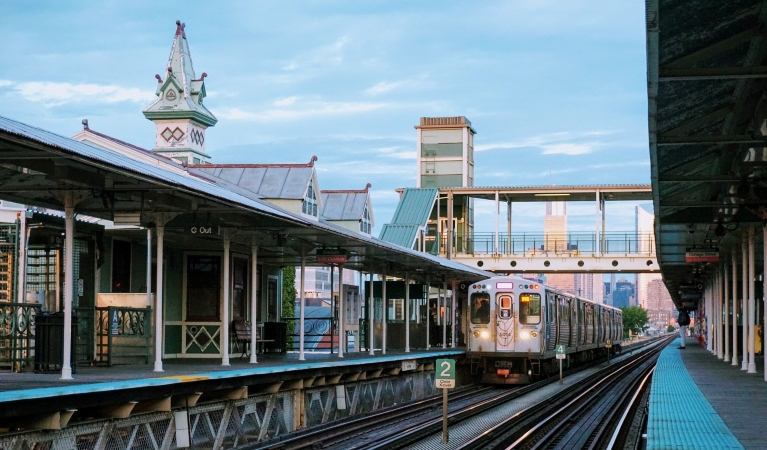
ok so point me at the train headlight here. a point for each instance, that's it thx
(533, 334)
(525, 335)
(476, 333)
(484, 334)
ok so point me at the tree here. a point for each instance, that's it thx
(670, 329)
(289, 303)
(634, 320)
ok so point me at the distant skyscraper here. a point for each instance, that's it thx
(645, 220)
(555, 226)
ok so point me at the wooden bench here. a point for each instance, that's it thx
(242, 333)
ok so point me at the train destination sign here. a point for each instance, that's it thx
(209, 230)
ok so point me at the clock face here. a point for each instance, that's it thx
(170, 95)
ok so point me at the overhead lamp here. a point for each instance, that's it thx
(720, 231)
(550, 195)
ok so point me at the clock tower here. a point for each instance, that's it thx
(178, 113)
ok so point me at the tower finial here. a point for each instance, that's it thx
(85, 124)
(311, 163)
(159, 78)
(180, 29)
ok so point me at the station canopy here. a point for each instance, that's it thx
(37, 168)
(707, 73)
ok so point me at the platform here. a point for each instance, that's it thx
(35, 392)
(700, 402)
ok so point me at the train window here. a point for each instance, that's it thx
(480, 308)
(504, 306)
(529, 308)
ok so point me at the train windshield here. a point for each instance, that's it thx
(480, 308)
(529, 308)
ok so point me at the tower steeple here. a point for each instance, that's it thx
(178, 113)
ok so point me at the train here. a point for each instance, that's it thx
(516, 324)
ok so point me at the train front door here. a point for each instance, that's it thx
(504, 319)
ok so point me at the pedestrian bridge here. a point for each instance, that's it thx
(537, 252)
(426, 217)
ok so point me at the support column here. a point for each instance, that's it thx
(497, 224)
(253, 303)
(509, 250)
(384, 311)
(709, 318)
(407, 313)
(597, 239)
(158, 306)
(734, 260)
(725, 297)
(148, 267)
(69, 219)
(227, 301)
(332, 305)
(444, 317)
(718, 314)
(428, 313)
(764, 281)
(450, 229)
(439, 226)
(744, 298)
(453, 327)
(341, 313)
(751, 302)
(301, 308)
(371, 339)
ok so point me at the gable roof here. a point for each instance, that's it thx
(412, 213)
(273, 181)
(346, 204)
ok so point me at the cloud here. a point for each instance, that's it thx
(567, 149)
(318, 56)
(310, 110)
(286, 101)
(384, 86)
(54, 93)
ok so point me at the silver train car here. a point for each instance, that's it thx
(515, 325)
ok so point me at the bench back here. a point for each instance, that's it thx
(242, 330)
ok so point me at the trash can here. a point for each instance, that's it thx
(275, 332)
(49, 343)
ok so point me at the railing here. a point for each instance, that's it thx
(319, 334)
(17, 335)
(123, 333)
(540, 243)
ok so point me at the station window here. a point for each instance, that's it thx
(365, 222)
(121, 266)
(203, 287)
(309, 206)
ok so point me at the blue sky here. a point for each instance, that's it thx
(555, 89)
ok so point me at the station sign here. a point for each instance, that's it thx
(202, 230)
(331, 255)
(691, 286)
(701, 256)
(561, 351)
(444, 376)
(609, 343)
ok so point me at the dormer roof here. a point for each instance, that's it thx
(181, 93)
(346, 204)
(268, 181)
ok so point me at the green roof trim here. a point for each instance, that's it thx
(412, 213)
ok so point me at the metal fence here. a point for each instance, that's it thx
(534, 243)
(17, 335)
(123, 334)
(320, 334)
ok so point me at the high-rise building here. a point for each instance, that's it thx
(621, 292)
(645, 234)
(555, 227)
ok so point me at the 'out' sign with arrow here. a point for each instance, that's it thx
(444, 377)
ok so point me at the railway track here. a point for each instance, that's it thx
(409, 424)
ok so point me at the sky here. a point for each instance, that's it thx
(556, 90)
